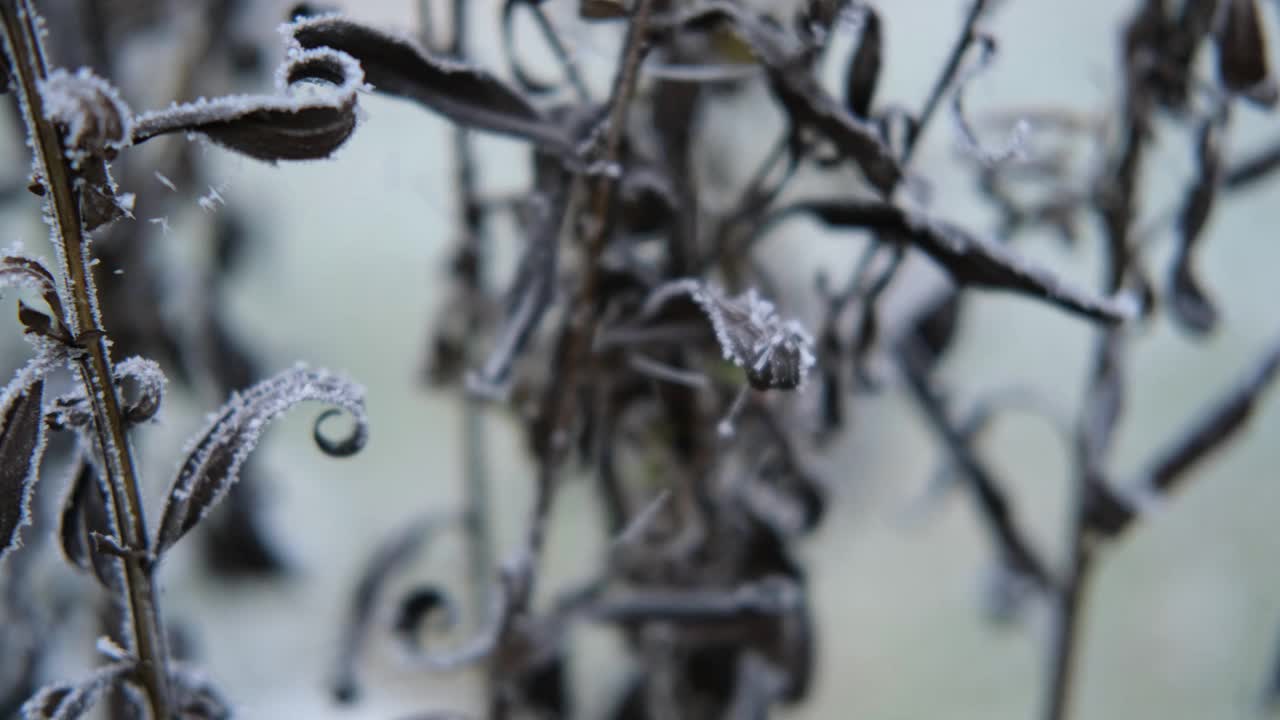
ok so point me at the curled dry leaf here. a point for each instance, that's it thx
(475, 648)
(777, 353)
(389, 558)
(26, 272)
(291, 125)
(95, 124)
(969, 259)
(213, 462)
(141, 383)
(94, 120)
(463, 93)
(22, 436)
(70, 701)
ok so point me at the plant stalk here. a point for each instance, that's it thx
(27, 61)
(1067, 613)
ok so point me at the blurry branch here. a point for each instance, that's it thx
(471, 265)
(1206, 432)
(573, 351)
(968, 34)
(993, 505)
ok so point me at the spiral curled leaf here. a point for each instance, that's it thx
(463, 93)
(294, 124)
(213, 462)
(389, 559)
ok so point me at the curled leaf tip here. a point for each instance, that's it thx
(353, 443)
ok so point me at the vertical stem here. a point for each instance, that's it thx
(1067, 613)
(474, 254)
(22, 36)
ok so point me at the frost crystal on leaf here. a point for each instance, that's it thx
(22, 439)
(777, 353)
(95, 121)
(213, 461)
(149, 380)
(287, 126)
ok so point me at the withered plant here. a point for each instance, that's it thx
(642, 342)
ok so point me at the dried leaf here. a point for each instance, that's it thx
(213, 462)
(292, 125)
(95, 121)
(27, 272)
(22, 436)
(776, 353)
(1241, 42)
(463, 93)
(86, 513)
(864, 66)
(969, 260)
(70, 701)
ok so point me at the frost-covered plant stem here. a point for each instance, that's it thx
(27, 61)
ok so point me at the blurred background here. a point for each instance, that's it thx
(344, 268)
